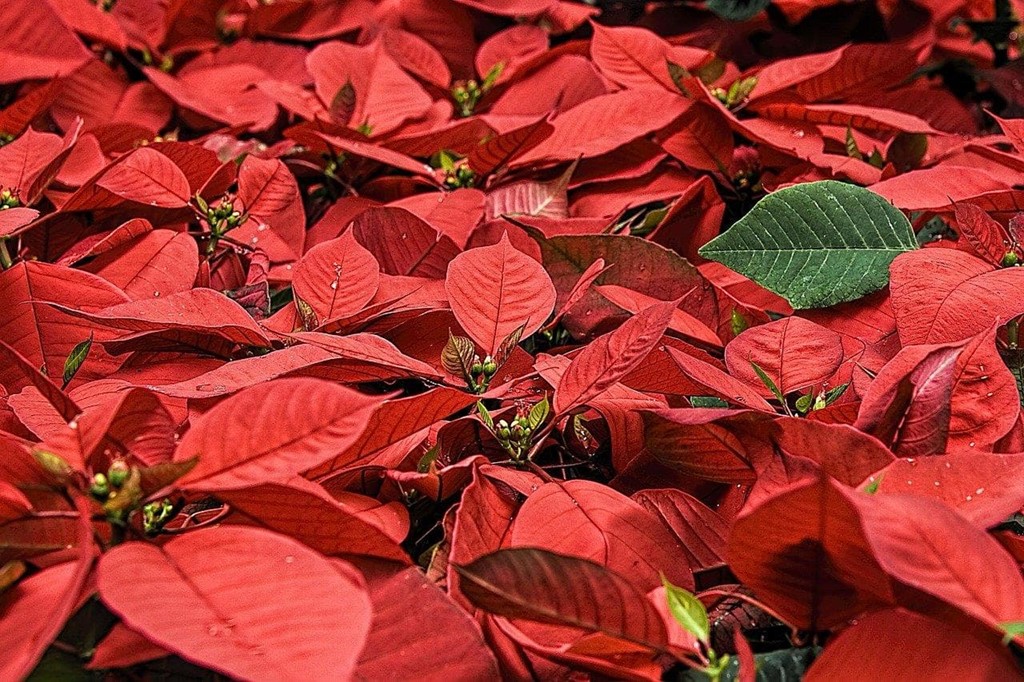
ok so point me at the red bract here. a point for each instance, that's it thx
(518, 339)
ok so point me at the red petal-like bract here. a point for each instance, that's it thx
(245, 601)
(272, 432)
(495, 290)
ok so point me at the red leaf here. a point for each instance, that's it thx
(927, 546)
(195, 318)
(404, 244)
(265, 187)
(336, 278)
(925, 643)
(305, 512)
(597, 523)
(35, 44)
(701, 139)
(501, 150)
(146, 176)
(248, 603)
(700, 530)
(907, 407)
(943, 295)
(159, 263)
(603, 123)
(562, 590)
(43, 335)
(718, 382)
(610, 357)
(985, 488)
(804, 552)
(795, 354)
(438, 642)
(681, 322)
(386, 96)
(988, 238)
(272, 432)
(495, 290)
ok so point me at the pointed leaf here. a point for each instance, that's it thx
(250, 603)
(816, 244)
(272, 432)
(494, 290)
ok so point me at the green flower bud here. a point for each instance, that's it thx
(1010, 259)
(118, 473)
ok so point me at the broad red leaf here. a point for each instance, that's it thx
(985, 488)
(947, 295)
(495, 290)
(610, 357)
(385, 95)
(404, 244)
(35, 44)
(159, 263)
(37, 331)
(562, 590)
(700, 530)
(705, 443)
(196, 318)
(986, 236)
(927, 546)
(637, 58)
(925, 643)
(804, 552)
(681, 322)
(795, 354)
(249, 603)
(147, 177)
(265, 187)
(272, 432)
(907, 407)
(440, 643)
(602, 525)
(501, 150)
(603, 123)
(306, 513)
(336, 278)
(719, 383)
(701, 139)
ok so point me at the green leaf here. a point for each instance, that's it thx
(737, 10)
(872, 487)
(816, 244)
(679, 74)
(687, 610)
(707, 401)
(538, 413)
(834, 394)
(852, 150)
(75, 360)
(485, 416)
(492, 76)
(768, 383)
(1012, 629)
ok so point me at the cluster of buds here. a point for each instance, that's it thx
(1010, 259)
(8, 200)
(155, 515)
(462, 176)
(737, 93)
(466, 95)
(517, 437)
(514, 437)
(106, 486)
(484, 368)
(222, 217)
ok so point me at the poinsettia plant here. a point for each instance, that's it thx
(534, 339)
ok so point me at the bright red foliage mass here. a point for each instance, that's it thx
(373, 340)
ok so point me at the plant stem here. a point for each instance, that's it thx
(5, 256)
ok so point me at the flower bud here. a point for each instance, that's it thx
(118, 473)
